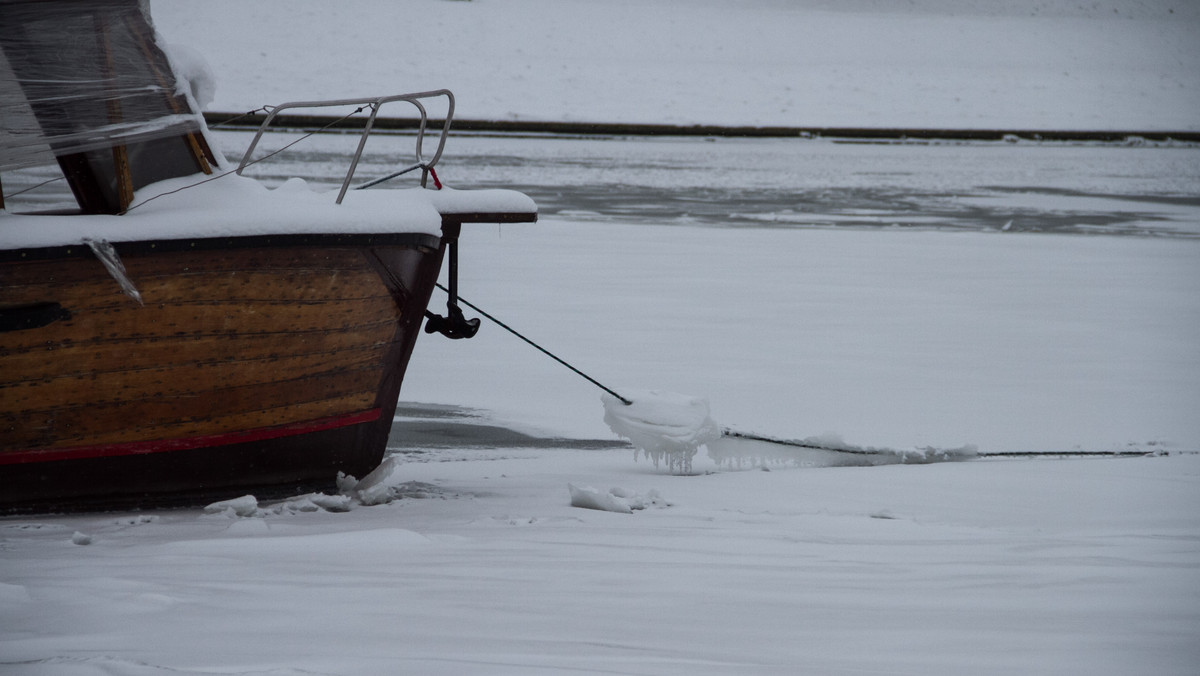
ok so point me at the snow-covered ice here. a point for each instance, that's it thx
(1019, 64)
(989, 567)
(472, 560)
(475, 562)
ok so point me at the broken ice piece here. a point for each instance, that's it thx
(247, 505)
(590, 498)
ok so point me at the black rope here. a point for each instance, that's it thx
(736, 434)
(389, 177)
(1035, 454)
(34, 187)
(230, 121)
(513, 331)
(727, 432)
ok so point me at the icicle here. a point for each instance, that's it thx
(112, 262)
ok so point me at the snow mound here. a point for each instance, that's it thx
(192, 69)
(617, 500)
(666, 426)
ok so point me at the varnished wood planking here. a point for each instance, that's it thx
(101, 291)
(74, 359)
(181, 379)
(185, 276)
(150, 263)
(255, 356)
(209, 318)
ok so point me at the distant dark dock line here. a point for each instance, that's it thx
(311, 122)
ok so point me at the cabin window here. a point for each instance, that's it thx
(99, 95)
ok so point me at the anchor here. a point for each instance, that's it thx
(454, 325)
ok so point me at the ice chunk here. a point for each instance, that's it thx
(590, 498)
(311, 502)
(247, 505)
(331, 503)
(663, 425)
(620, 500)
(375, 488)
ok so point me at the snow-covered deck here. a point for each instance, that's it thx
(235, 206)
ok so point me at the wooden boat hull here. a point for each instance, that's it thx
(251, 362)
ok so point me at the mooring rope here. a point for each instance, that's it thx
(738, 434)
(725, 431)
(548, 353)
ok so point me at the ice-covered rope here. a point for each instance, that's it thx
(264, 157)
(669, 427)
(728, 432)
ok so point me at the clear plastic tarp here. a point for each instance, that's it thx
(83, 75)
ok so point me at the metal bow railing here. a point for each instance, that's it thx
(374, 104)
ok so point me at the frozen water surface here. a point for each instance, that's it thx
(738, 182)
(765, 276)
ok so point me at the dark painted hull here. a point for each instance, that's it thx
(253, 362)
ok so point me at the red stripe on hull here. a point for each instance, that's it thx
(167, 445)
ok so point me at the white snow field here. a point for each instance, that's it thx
(994, 567)
(1017, 64)
(505, 554)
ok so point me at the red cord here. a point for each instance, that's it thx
(436, 183)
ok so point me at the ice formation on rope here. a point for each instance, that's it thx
(670, 427)
(666, 426)
(826, 450)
